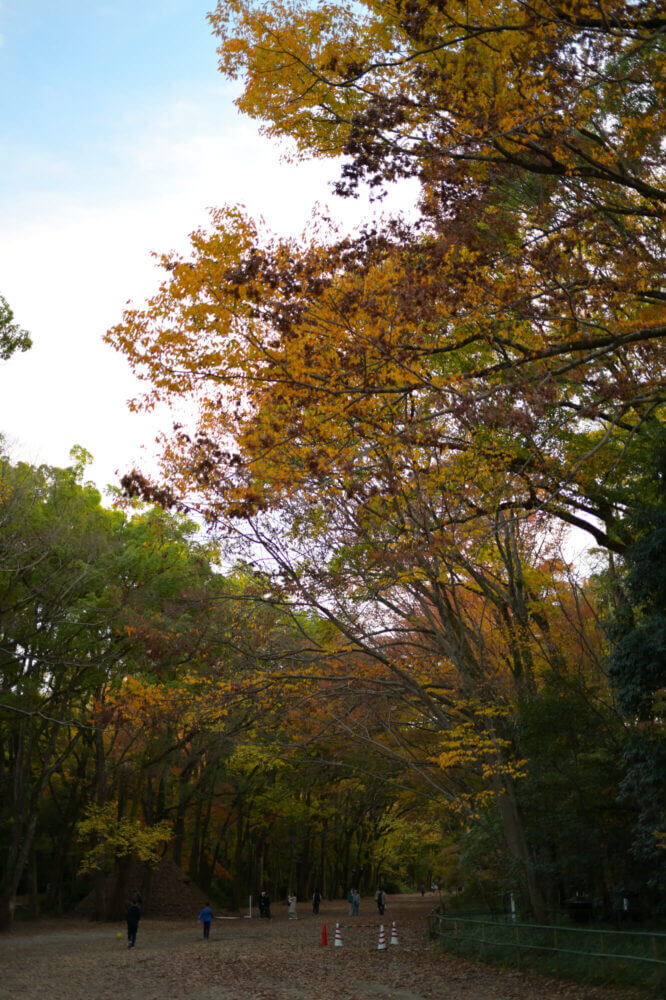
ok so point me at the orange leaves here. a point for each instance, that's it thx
(419, 82)
(388, 421)
(156, 708)
(185, 307)
(284, 48)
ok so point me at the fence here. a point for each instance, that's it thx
(595, 955)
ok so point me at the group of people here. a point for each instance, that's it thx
(206, 916)
(354, 900)
(292, 899)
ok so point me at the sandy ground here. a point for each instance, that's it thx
(280, 959)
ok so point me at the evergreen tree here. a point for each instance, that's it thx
(638, 669)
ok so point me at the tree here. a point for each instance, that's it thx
(536, 135)
(87, 597)
(400, 85)
(149, 704)
(54, 648)
(638, 668)
(374, 339)
(12, 337)
(393, 500)
(397, 420)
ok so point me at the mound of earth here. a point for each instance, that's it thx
(167, 892)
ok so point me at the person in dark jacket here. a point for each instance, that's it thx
(132, 916)
(264, 904)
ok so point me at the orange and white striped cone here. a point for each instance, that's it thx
(381, 945)
(338, 937)
(394, 933)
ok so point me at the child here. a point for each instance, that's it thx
(207, 916)
(132, 916)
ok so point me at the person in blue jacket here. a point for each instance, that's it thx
(207, 916)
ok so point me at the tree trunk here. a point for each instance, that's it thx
(33, 888)
(19, 856)
(193, 865)
(99, 879)
(65, 837)
(26, 801)
(120, 894)
(323, 888)
(516, 840)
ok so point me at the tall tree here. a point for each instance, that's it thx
(85, 594)
(535, 132)
(54, 648)
(638, 667)
(397, 419)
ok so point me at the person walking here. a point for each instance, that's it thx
(316, 900)
(356, 903)
(350, 900)
(207, 916)
(292, 907)
(264, 904)
(132, 916)
(380, 899)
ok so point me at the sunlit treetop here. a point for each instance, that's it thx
(571, 89)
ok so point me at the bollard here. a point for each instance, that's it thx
(394, 933)
(338, 937)
(381, 944)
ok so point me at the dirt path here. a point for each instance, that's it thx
(259, 960)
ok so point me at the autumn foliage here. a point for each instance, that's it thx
(404, 422)
(393, 433)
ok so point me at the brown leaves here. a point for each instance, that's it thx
(269, 960)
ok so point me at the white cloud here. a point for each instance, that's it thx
(70, 260)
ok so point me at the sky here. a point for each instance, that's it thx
(118, 134)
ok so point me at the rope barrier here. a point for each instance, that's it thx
(355, 924)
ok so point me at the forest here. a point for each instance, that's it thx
(393, 608)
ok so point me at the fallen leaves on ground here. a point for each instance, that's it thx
(265, 960)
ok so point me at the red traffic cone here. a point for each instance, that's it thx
(338, 937)
(394, 934)
(381, 945)
(324, 939)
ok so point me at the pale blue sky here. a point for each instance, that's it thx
(77, 76)
(117, 134)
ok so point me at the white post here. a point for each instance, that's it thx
(248, 916)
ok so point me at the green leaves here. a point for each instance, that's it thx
(12, 337)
